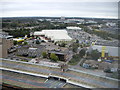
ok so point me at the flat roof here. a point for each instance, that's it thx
(108, 43)
(71, 27)
(56, 52)
(56, 35)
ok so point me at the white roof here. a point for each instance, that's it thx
(57, 35)
(38, 33)
(73, 27)
(17, 39)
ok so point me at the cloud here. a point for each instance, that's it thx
(42, 8)
(59, 1)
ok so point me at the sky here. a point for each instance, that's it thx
(58, 8)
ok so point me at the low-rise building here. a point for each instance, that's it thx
(53, 35)
(61, 55)
(109, 47)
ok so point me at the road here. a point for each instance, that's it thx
(65, 74)
(55, 83)
(13, 77)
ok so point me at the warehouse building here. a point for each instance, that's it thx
(53, 35)
(107, 48)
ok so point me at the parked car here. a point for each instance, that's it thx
(108, 70)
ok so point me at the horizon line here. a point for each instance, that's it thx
(58, 16)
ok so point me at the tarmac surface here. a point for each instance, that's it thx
(29, 81)
(73, 76)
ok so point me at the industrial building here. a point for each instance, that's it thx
(107, 48)
(53, 35)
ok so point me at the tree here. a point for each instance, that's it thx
(62, 44)
(37, 42)
(75, 47)
(95, 54)
(77, 41)
(44, 54)
(15, 42)
(88, 54)
(82, 53)
(54, 57)
(25, 43)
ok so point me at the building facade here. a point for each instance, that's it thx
(107, 48)
(6, 42)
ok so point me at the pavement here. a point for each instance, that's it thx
(65, 74)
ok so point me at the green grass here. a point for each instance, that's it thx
(73, 62)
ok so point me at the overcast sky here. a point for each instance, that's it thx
(67, 8)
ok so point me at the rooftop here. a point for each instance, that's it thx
(56, 52)
(108, 43)
(56, 35)
(76, 28)
(5, 35)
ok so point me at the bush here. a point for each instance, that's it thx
(24, 60)
(44, 54)
(95, 54)
(37, 42)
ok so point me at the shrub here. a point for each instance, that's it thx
(44, 54)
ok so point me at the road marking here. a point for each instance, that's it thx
(53, 84)
(46, 81)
